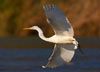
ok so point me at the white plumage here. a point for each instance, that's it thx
(65, 44)
(62, 54)
(58, 21)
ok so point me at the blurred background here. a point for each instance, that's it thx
(84, 15)
(17, 14)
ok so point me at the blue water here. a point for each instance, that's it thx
(31, 60)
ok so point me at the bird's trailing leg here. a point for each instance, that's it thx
(81, 51)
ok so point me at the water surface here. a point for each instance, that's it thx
(31, 60)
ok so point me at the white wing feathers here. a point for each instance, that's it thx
(58, 20)
(62, 53)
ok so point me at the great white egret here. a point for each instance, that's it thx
(65, 43)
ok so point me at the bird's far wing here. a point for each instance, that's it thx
(58, 20)
(62, 54)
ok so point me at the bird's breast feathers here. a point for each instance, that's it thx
(61, 39)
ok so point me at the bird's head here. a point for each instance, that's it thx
(31, 28)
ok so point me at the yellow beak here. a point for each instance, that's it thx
(28, 28)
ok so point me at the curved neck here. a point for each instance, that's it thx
(41, 35)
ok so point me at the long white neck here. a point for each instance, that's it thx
(41, 35)
(54, 38)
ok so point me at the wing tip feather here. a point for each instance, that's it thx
(49, 66)
(43, 66)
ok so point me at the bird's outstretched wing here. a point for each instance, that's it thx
(58, 20)
(62, 54)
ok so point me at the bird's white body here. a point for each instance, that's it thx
(65, 44)
(55, 38)
(61, 39)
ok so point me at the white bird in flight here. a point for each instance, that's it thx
(65, 43)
